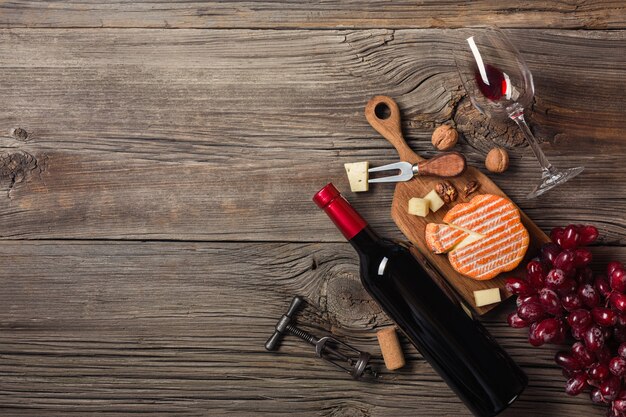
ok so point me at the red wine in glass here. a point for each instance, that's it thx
(492, 83)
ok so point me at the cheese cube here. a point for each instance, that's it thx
(418, 207)
(485, 297)
(358, 176)
(434, 200)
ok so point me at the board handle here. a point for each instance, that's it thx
(383, 115)
(448, 164)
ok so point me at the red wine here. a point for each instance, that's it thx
(492, 83)
(458, 347)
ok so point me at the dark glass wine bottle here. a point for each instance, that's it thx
(458, 347)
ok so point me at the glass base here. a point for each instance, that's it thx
(549, 181)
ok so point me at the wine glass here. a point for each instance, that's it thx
(500, 85)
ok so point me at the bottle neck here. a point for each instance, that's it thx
(366, 241)
(345, 217)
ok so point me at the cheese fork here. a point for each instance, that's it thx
(445, 165)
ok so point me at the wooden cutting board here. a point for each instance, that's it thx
(383, 114)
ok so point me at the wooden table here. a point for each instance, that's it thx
(157, 164)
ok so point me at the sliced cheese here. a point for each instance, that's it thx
(486, 297)
(434, 200)
(358, 176)
(419, 207)
(471, 238)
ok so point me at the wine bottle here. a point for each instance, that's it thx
(458, 347)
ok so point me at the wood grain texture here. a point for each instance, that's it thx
(222, 135)
(598, 14)
(162, 328)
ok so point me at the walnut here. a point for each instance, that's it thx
(470, 187)
(445, 137)
(446, 191)
(497, 160)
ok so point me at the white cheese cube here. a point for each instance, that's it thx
(434, 200)
(485, 297)
(419, 207)
(358, 176)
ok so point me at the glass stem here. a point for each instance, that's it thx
(546, 166)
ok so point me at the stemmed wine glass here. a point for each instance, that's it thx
(499, 84)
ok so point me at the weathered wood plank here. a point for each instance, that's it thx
(599, 14)
(159, 328)
(208, 134)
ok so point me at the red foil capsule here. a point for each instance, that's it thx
(339, 210)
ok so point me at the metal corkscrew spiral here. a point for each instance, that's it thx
(338, 353)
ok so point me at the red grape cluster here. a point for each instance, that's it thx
(561, 293)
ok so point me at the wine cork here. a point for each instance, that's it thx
(390, 348)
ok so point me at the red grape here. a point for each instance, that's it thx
(580, 319)
(516, 321)
(602, 285)
(582, 257)
(527, 299)
(546, 331)
(556, 234)
(530, 312)
(567, 360)
(617, 366)
(549, 252)
(617, 279)
(588, 295)
(612, 266)
(571, 302)
(550, 301)
(535, 274)
(583, 355)
(604, 316)
(555, 279)
(518, 286)
(596, 397)
(594, 338)
(588, 234)
(618, 300)
(598, 372)
(610, 387)
(576, 384)
(569, 239)
(565, 261)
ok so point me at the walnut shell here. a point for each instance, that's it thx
(445, 137)
(497, 160)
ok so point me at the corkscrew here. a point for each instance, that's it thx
(333, 351)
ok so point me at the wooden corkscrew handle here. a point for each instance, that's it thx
(448, 164)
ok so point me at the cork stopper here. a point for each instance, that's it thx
(390, 348)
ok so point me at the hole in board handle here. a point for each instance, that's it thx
(382, 111)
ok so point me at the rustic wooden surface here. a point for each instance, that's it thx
(157, 161)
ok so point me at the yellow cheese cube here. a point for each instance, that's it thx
(434, 200)
(358, 176)
(485, 297)
(419, 207)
